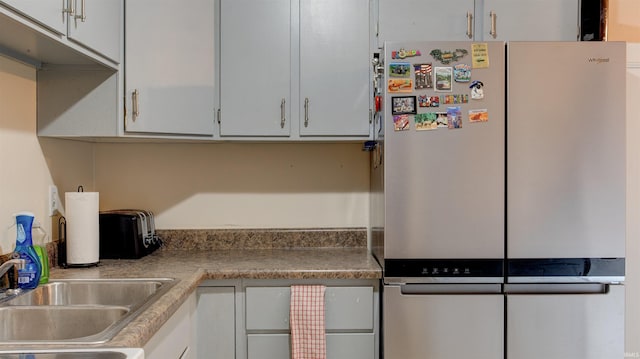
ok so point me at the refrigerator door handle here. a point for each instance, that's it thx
(470, 25)
(431, 289)
(580, 288)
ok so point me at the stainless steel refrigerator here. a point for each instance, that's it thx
(498, 199)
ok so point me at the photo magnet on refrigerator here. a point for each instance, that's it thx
(477, 90)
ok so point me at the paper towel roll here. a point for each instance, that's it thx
(83, 227)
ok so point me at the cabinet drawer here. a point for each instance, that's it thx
(346, 308)
(339, 346)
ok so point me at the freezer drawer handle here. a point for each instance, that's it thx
(431, 289)
(550, 289)
(493, 32)
(470, 25)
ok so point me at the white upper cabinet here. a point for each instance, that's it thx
(96, 25)
(335, 67)
(169, 67)
(295, 68)
(479, 20)
(531, 20)
(425, 20)
(255, 68)
(50, 13)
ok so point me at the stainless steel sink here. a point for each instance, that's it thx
(48, 323)
(84, 292)
(77, 311)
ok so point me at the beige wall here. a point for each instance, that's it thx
(242, 185)
(623, 21)
(28, 166)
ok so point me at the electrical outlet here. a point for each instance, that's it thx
(53, 200)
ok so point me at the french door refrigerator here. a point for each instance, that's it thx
(498, 199)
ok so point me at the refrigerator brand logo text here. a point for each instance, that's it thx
(598, 60)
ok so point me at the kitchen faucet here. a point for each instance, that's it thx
(4, 268)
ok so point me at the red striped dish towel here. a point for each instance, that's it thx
(306, 320)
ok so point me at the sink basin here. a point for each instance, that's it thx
(49, 323)
(77, 311)
(128, 293)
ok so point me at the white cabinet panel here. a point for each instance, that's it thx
(216, 322)
(447, 20)
(174, 340)
(98, 26)
(169, 64)
(255, 68)
(346, 308)
(46, 12)
(334, 67)
(339, 346)
(531, 20)
(424, 20)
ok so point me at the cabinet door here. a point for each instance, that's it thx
(98, 26)
(530, 20)
(169, 64)
(215, 317)
(334, 68)
(424, 20)
(47, 12)
(255, 67)
(339, 346)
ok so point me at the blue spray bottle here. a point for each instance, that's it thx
(29, 276)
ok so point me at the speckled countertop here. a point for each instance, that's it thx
(202, 262)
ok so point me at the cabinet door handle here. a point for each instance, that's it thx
(83, 14)
(134, 105)
(493, 32)
(469, 25)
(283, 118)
(70, 8)
(306, 112)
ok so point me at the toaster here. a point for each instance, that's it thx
(127, 234)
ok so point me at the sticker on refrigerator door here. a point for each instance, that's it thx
(399, 69)
(428, 101)
(402, 53)
(424, 76)
(480, 115)
(401, 122)
(462, 73)
(444, 77)
(454, 117)
(401, 105)
(447, 57)
(480, 56)
(477, 90)
(454, 99)
(426, 121)
(400, 85)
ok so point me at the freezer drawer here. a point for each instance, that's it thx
(565, 321)
(443, 322)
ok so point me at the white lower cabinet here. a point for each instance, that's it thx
(176, 338)
(216, 322)
(339, 346)
(249, 319)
